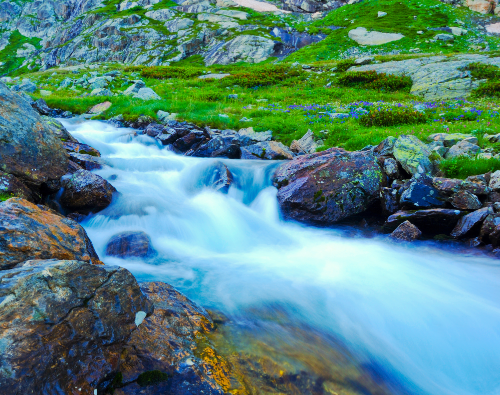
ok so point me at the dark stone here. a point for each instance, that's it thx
(86, 192)
(406, 232)
(464, 200)
(328, 186)
(476, 185)
(28, 149)
(130, 244)
(191, 139)
(219, 147)
(67, 325)
(470, 224)
(447, 186)
(389, 200)
(86, 161)
(80, 148)
(419, 193)
(41, 107)
(432, 221)
(167, 136)
(10, 186)
(30, 232)
(153, 129)
(218, 177)
(73, 167)
(386, 147)
(58, 129)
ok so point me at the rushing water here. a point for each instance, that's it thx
(428, 319)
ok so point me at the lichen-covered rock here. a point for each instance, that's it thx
(413, 155)
(166, 342)
(29, 150)
(30, 232)
(329, 186)
(272, 150)
(130, 244)
(86, 192)
(248, 136)
(447, 186)
(386, 147)
(406, 232)
(432, 221)
(470, 224)
(64, 325)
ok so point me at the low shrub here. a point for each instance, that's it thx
(483, 71)
(392, 117)
(463, 167)
(166, 72)
(344, 65)
(264, 76)
(488, 89)
(373, 80)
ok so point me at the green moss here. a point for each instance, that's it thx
(11, 63)
(463, 167)
(5, 196)
(151, 377)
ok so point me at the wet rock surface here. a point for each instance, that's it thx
(86, 192)
(406, 232)
(432, 221)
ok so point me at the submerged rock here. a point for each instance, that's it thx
(406, 232)
(130, 244)
(329, 186)
(86, 192)
(65, 324)
(218, 177)
(31, 232)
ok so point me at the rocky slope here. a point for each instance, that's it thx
(44, 34)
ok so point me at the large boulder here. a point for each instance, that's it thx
(64, 325)
(463, 148)
(29, 149)
(130, 244)
(328, 186)
(86, 192)
(58, 129)
(243, 48)
(413, 155)
(28, 231)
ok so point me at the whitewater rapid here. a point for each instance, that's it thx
(427, 317)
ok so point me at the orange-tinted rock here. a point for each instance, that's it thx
(64, 324)
(166, 341)
(482, 6)
(28, 231)
(80, 148)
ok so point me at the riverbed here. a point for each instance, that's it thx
(413, 319)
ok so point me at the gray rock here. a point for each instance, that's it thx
(213, 76)
(364, 37)
(444, 37)
(26, 86)
(272, 150)
(248, 136)
(146, 94)
(471, 223)
(178, 24)
(391, 168)
(101, 92)
(29, 150)
(463, 148)
(243, 48)
(306, 145)
(495, 181)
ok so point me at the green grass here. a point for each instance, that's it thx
(463, 167)
(11, 63)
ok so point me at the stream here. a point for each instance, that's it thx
(417, 318)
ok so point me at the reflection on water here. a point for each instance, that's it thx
(424, 320)
(292, 41)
